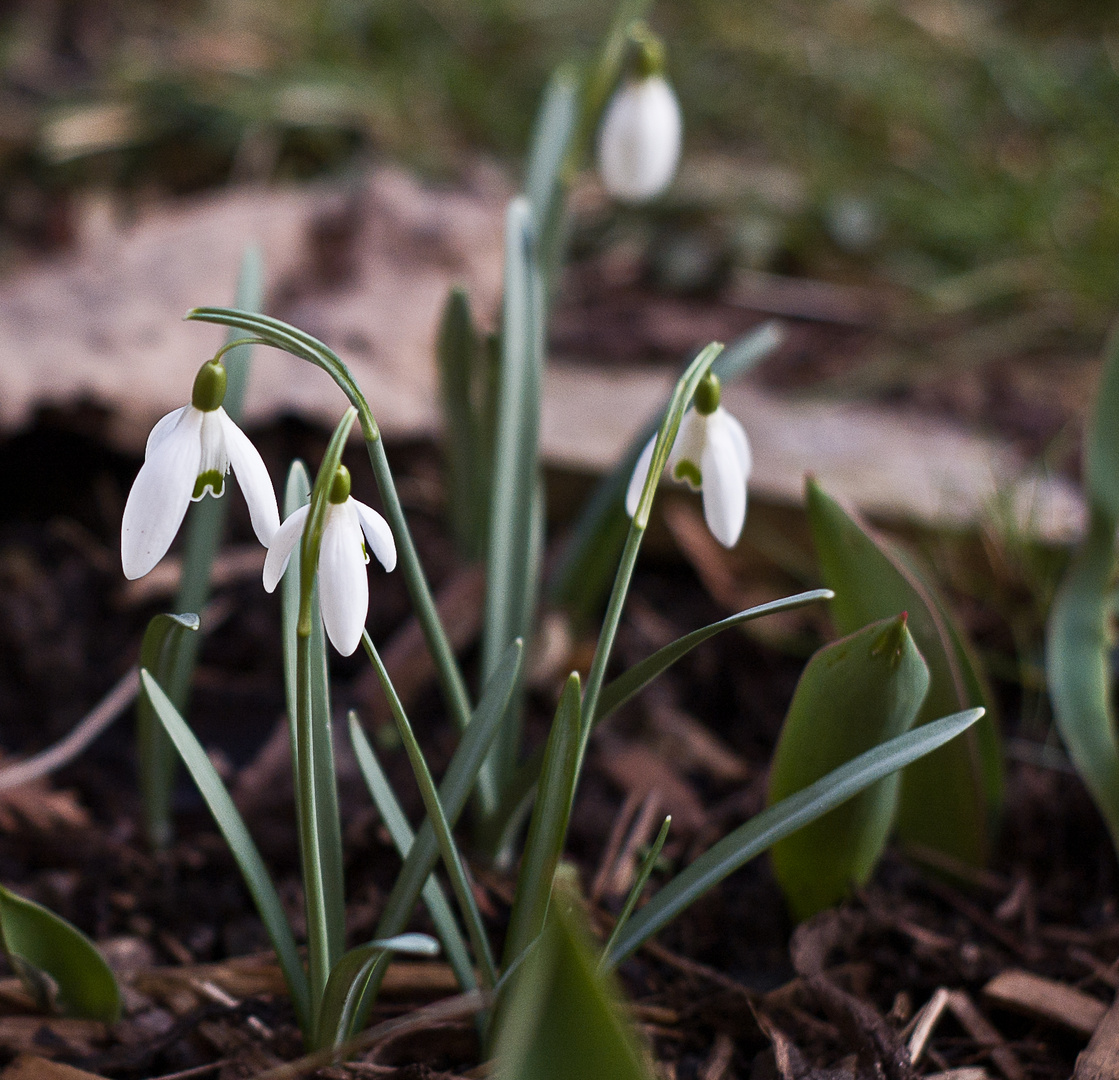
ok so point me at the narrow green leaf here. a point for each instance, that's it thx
(560, 1017)
(39, 943)
(459, 354)
(638, 886)
(778, 821)
(590, 555)
(241, 844)
(617, 693)
(853, 695)
(1078, 659)
(1101, 466)
(161, 653)
(512, 556)
(348, 978)
(204, 526)
(547, 830)
(950, 799)
(452, 859)
(403, 838)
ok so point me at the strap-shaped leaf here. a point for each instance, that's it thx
(617, 693)
(781, 820)
(39, 943)
(403, 838)
(559, 1017)
(547, 830)
(338, 1008)
(852, 695)
(950, 799)
(241, 844)
(161, 652)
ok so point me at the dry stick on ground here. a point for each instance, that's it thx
(984, 1033)
(1046, 999)
(1100, 1061)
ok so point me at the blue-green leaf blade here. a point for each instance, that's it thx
(778, 821)
(241, 845)
(615, 694)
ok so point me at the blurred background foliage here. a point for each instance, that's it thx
(964, 151)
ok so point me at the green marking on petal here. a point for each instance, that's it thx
(688, 472)
(209, 386)
(210, 481)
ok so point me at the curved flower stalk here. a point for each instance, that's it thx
(343, 585)
(639, 140)
(187, 456)
(711, 454)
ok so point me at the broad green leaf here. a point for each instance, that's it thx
(403, 838)
(589, 557)
(461, 362)
(161, 653)
(348, 978)
(204, 525)
(781, 820)
(617, 693)
(297, 492)
(513, 537)
(560, 1017)
(950, 799)
(853, 695)
(547, 830)
(241, 844)
(1101, 466)
(56, 961)
(1078, 659)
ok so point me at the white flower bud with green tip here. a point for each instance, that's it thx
(711, 454)
(343, 585)
(639, 139)
(187, 456)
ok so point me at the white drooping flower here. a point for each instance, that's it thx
(711, 454)
(639, 140)
(343, 585)
(187, 456)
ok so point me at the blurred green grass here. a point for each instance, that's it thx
(964, 149)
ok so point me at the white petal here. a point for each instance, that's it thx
(160, 494)
(639, 141)
(724, 486)
(691, 439)
(640, 473)
(343, 585)
(737, 432)
(162, 429)
(378, 533)
(249, 468)
(282, 544)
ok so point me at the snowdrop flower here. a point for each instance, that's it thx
(639, 140)
(711, 454)
(188, 454)
(343, 586)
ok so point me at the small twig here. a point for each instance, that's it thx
(197, 1070)
(454, 1008)
(67, 749)
(926, 1021)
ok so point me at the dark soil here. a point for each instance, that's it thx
(721, 993)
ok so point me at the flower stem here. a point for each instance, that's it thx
(318, 944)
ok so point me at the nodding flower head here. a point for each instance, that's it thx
(187, 457)
(343, 585)
(639, 140)
(711, 454)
